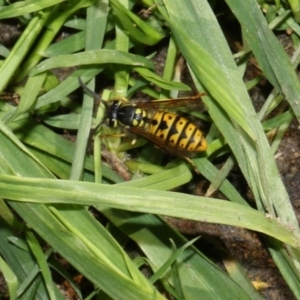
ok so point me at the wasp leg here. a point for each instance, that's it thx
(116, 164)
(188, 160)
(123, 99)
(115, 135)
(146, 13)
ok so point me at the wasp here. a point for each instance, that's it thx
(172, 132)
(159, 122)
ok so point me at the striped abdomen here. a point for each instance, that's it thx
(177, 131)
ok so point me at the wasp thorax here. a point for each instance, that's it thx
(131, 116)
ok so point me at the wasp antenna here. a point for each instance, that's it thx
(95, 95)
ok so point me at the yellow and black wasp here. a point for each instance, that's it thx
(156, 122)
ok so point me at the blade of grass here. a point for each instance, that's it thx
(21, 48)
(238, 274)
(67, 86)
(136, 28)
(279, 70)
(28, 99)
(268, 51)
(121, 75)
(22, 263)
(197, 273)
(10, 278)
(100, 272)
(64, 273)
(103, 56)
(68, 45)
(164, 268)
(22, 8)
(167, 179)
(39, 255)
(82, 138)
(295, 5)
(284, 264)
(58, 166)
(49, 142)
(161, 82)
(158, 202)
(96, 18)
(8, 138)
(56, 19)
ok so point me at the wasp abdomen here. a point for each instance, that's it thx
(177, 132)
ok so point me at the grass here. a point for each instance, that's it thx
(50, 181)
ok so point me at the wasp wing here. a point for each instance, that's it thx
(186, 104)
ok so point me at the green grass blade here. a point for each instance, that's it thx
(238, 274)
(67, 86)
(158, 202)
(8, 140)
(165, 180)
(209, 171)
(197, 273)
(161, 82)
(92, 57)
(25, 7)
(22, 263)
(172, 259)
(10, 278)
(68, 45)
(21, 48)
(82, 138)
(269, 53)
(283, 263)
(28, 99)
(39, 255)
(100, 272)
(44, 139)
(121, 75)
(136, 28)
(59, 14)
